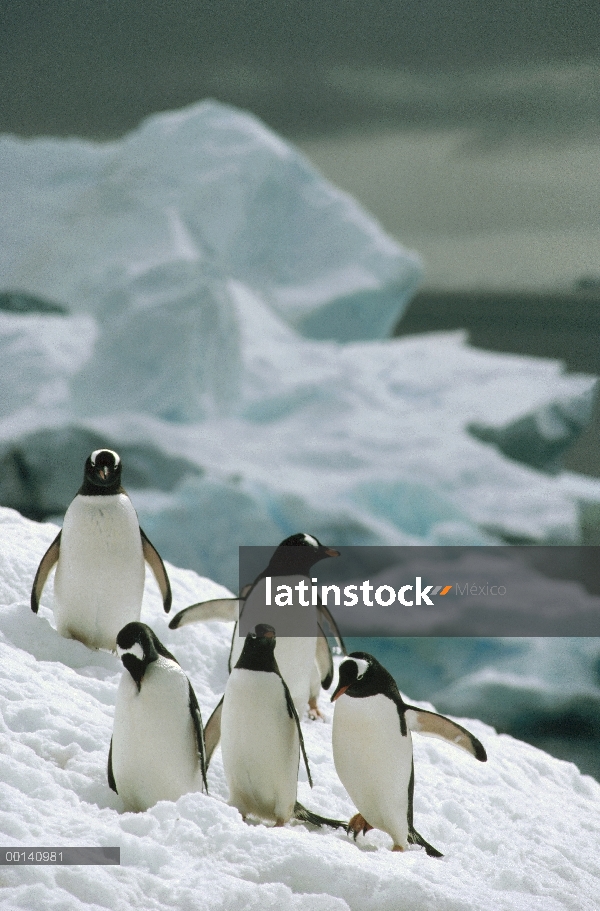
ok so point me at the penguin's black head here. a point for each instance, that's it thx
(362, 675)
(102, 473)
(264, 631)
(297, 554)
(258, 653)
(137, 647)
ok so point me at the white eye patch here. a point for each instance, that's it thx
(136, 650)
(97, 452)
(312, 541)
(362, 665)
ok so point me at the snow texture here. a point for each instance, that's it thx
(228, 338)
(519, 832)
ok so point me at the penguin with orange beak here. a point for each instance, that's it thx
(372, 749)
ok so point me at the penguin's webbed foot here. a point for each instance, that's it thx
(357, 825)
(397, 848)
(314, 711)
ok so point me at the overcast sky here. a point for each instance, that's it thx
(308, 67)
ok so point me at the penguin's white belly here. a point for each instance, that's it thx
(373, 761)
(295, 656)
(260, 746)
(154, 749)
(99, 580)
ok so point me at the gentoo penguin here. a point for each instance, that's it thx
(99, 556)
(261, 738)
(372, 748)
(304, 661)
(157, 748)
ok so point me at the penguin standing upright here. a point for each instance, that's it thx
(304, 661)
(99, 556)
(372, 748)
(261, 738)
(157, 748)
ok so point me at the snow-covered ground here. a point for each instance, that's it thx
(518, 832)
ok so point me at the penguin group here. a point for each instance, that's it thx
(160, 749)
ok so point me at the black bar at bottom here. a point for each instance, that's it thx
(43, 856)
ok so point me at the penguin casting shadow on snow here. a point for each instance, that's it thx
(99, 556)
(305, 662)
(372, 748)
(261, 738)
(157, 747)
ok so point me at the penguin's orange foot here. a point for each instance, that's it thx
(314, 711)
(397, 848)
(357, 825)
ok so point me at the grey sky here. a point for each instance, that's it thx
(307, 67)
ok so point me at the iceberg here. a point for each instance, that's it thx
(225, 324)
(39, 353)
(517, 832)
(358, 444)
(205, 185)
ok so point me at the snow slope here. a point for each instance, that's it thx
(519, 832)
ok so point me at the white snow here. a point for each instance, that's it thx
(519, 832)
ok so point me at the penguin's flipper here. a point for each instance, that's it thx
(197, 722)
(212, 731)
(294, 714)
(233, 635)
(224, 609)
(43, 571)
(111, 778)
(304, 815)
(413, 836)
(154, 561)
(324, 659)
(326, 615)
(430, 723)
